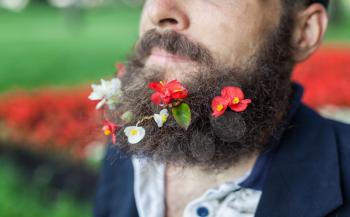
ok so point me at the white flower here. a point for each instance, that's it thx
(135, 134)
(108, 92)
(161, 118)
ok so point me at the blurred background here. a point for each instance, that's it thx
(50, 52)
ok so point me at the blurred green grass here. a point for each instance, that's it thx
(339, 34)
(21, 199)
(40, 47)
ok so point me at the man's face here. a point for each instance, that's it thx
(231, 30)
(207, 45)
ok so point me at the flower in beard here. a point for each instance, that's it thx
(108, 92)
(110, 128)
(219, 105)
(161, 118)
(166, 92)
(120, 70)
(232, 97)
(235, 97)
(135, 134)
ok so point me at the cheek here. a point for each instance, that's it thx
(233, 34)
(144, 23)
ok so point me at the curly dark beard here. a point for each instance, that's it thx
(211, 142)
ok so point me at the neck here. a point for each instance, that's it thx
(196, 177)
(185, 184)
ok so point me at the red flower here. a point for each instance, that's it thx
(166, 92)
(232, 97)
(235, 96)
(219, 105)
(110, 129)
(120, 70)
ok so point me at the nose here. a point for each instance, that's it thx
(168, 15)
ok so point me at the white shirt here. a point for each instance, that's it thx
(227, 200)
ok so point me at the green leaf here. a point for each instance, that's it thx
(182, 115)
(127, 116)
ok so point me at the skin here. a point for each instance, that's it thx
(232, 31)
(208, 22)
(309, 32)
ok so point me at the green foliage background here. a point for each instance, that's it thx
(43, 46)
(19, 198)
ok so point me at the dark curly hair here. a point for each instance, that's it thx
(296, 4)
(291, 8)
(324, 2)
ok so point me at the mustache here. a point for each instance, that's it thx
(173, 43)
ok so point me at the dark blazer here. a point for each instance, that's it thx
(309, 174)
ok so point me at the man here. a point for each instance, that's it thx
(273, 158)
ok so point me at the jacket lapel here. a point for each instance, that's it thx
(303, 178)
(115, 193)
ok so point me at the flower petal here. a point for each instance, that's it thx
(246, 101)
(173, 85)
(156, 86)
(121, 70)
(110, 129)
(165, 99)
(219, 106)
(158, 119)
(104, 83)
(230, 92)
(95, 96)
(107, 89)
(239, 107)
(180, 94)
(161, 118)
(218, 114)
(136, 139)
(127, 130)
(116, 84)
(133, 139)
(156, 98)
(177, 90)
(114, 138)
(164, 112)
(96, 88)
(100, 104)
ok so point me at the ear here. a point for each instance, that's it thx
(311, 25)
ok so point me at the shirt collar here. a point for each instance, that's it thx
(258, 174)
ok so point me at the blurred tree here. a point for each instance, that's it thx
(39, 1)
(337, 11)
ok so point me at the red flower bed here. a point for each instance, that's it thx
(66, 121)
(50, 120)
(326, 77)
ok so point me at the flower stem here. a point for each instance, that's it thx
(144, 119)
